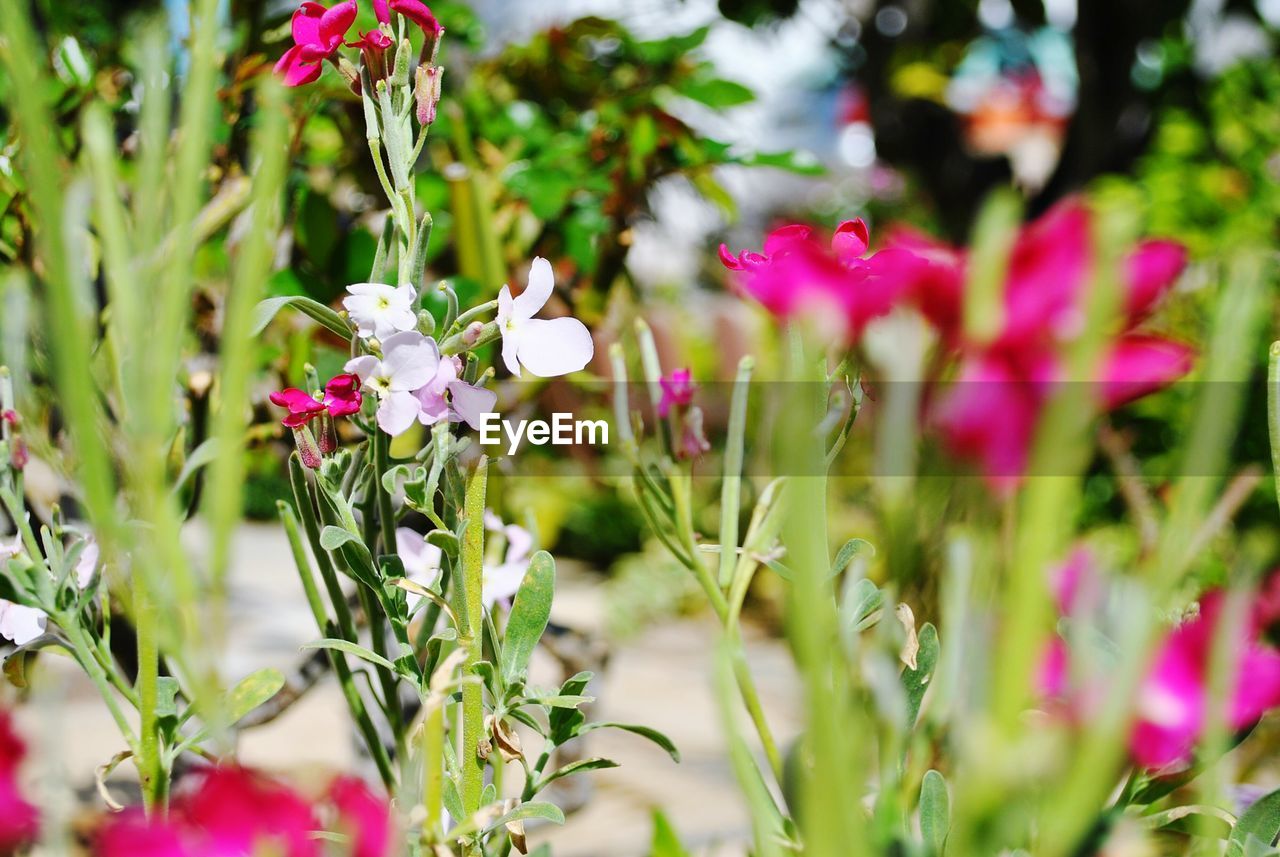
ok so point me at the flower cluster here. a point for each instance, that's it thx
(499, 581)
(340, 398)
(319, 31)
(1173, 700)
(233, 811)
(19, 819)
(1004, 380)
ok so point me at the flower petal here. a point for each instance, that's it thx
(850, 240)
(551, 347)
(471, 403)
(397, 412)
(1139, 365)
(537, 292)
(335, 23)
(21, 624)
(305, 24)
(409, 360)
(362, 367)
(1151, 271)
(295, 69)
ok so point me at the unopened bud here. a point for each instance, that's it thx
(471, 335)
(426, 91)
(308, 449)
(18, 453)
(349, 73)
(400, 74)
(693, 441)
(328, 439)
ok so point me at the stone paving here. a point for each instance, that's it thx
(660, 678)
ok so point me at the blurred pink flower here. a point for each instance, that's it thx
(19, 819)
(221, 812)
(317, 34)
(831, 284)
(991, 413)
(362, 816)
(677, 391)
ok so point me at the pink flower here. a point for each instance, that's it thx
(302, 406)
(414, 10)
(317, 34)
(19, 819)
(990, 415)
(342, 395)
(1173, 700)
(446, 396)
(221, 812)
(831, 284)
(677, 390)
(363, 816)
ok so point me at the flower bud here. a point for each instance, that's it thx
(693, 442)
(400, 75)
(328, 439)
(308, 449)
(471, 335)
(18, 453)
(426, 91)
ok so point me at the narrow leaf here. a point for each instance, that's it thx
(935, 813)
(529, 615)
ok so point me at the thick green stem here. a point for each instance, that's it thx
(151, 774)
(470, 610)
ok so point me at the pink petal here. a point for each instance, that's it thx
(342, 395)
(1151, 270)
(471, 403)
(1140, 364)
(551, 347)
(418, 13)
(786, 237)
(365, 817)
(381, 12)
(131, 834)
(729, 260)
(335, 23)
(306, 24)
(850, 240)
(295, 69)
(537, 292)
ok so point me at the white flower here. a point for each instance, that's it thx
(87, 564)
(409, 361)
(20, 624)
(546, 347)
(500, 582)
(381, 310)
(421, 560)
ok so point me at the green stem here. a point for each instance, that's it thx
(731, 490)
(470, 612)
(1273, 412)
(150, 770)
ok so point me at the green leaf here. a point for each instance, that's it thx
(801, 163)
(332, 538)
(560, 701)
(448, 542)
(665, 842)
(916, 681)
(716, 92)
(351, 649)
(532, 809)
(251, 691)
(643, 731)
(267, 310)
(1261, 819)
(845, 556)
(166, 697)
(565, 722)
(593, 764)
(529, 615)
(935, 813)
(199, 457)
(863, 602)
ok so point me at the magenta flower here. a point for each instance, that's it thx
(831, 284)
(990, 415)
(225, 811)
(677, 390)
(363, 816)
(19, 819)
(342, 395)
(318, 32)
(416, 11)
(1173, 700)
(302, 406)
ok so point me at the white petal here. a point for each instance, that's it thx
(492, 522)
(535, 294)
(519, 543)
(499, 584)
(406, 293)
(87, 564)
(471, 403)
(511, 347)
(557, 346)
(397, 412)
(400, 318)
(370, 290)
(409, 359)
(505, 303)
(21, 624)
(362, 366)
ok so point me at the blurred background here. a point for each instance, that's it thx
(625, 141)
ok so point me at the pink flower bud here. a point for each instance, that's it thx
(308, 449)
(426, 91)
(471, 335)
